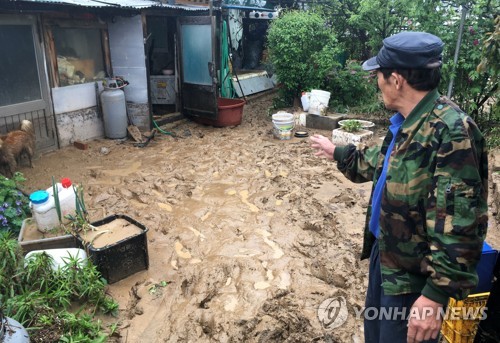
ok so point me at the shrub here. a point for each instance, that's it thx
(351, 86)
(302, 51)
(14, 205)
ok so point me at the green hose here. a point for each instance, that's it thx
(226, 89)
(162, 131)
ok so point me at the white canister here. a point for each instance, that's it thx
(67, 198)
(44, 211)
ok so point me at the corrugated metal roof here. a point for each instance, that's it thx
(137, 4)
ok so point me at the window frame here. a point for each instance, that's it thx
(84, 23)
(33, 105)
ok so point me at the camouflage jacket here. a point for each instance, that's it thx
(433, 216)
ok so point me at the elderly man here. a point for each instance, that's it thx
(427, 217)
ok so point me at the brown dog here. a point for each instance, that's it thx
(16, 144)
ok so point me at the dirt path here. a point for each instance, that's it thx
(251, 233)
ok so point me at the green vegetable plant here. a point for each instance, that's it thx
(352, 125)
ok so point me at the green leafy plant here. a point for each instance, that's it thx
(80, 221)
(14, 205)
(57, 203)
(475, 75)
(41, 298)
(156, 288)
(10, 263)
(493, 137)
(302, 50)
(352, 125)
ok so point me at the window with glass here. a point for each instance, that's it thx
(80, 55)
(18, 66)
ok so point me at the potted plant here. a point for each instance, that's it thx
(352, 131)
(352, 125)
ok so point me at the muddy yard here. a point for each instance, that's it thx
(248, 234)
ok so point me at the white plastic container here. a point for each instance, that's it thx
(318, 101)
(44, 211)
(67, 198)
(283, 123)
(305, 100)
(283, 120)
(61, 257)
(303, 119)
(43, 205)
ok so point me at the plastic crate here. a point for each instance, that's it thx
(123, 258)
(460, 326)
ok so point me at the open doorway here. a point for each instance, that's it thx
(161, 55)
(251, 72)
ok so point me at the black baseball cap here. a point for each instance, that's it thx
(408, 50)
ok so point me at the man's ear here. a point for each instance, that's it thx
(397, 80)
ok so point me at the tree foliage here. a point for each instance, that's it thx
(474, 90)
(302, 50)
(382, 18)
(361, 25)
(490, 59)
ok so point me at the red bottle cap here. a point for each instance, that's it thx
(66, 182)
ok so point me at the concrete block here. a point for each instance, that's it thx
(328, 122)
(341, 137)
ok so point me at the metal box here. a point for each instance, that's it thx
(162, 89)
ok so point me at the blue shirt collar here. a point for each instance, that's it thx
(397, 119)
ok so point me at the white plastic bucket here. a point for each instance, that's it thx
(282, 117)
(283, 123)
(318, 101)
(305, 100)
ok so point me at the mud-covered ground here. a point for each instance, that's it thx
(250, 233)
